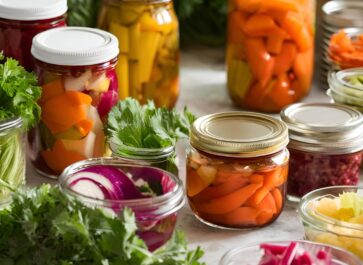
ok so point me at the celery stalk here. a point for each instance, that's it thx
(12, 166)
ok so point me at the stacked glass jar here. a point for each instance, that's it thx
(21, 20)
(326, 144)
(75, 67)
(148, 32)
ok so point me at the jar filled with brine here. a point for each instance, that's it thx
(237, 169)
(21, 20)
(76, 69)
(148, 32)
(326, 144)
(270, 48)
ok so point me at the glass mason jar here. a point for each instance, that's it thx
(148, 34)
(237, 169)
(322, 228)
(156, 217)
(75, 67)
(163, 158)
(20, 21)
(12, 157)
(326, 144)
(270, 50)
(346, 87)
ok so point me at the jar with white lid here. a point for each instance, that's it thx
(237, 169)
(21, 20)
(326, 144)
(76, 68)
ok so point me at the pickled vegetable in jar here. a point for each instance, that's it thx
(237, 169)
(270, 48)
(76, 68)
(148, 34)
(21, 20)
(326, 144)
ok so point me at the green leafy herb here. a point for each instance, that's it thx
(145, 126)
(83, 13)
(45, 227)
(19, 92)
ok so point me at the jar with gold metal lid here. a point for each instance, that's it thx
(148, 63)
(326, 146)
(237, 167)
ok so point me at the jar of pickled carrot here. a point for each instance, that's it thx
(148, 32)
(270, 50)
(21, 20)
(76, 69)
(237, 169)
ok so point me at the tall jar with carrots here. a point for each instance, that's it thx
(270, 50)
(148, 34)
(237, 168)
(76, 69)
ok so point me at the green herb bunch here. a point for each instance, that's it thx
(145, 126)
(83, 13)
(43, 226)
(19, 92)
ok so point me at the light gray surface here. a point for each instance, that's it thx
(203, 91)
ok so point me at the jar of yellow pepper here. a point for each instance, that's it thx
(148, 33)
(270, 49)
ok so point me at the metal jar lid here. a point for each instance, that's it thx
(239, 134)
(10, 124)
(324, 127)
(342, 14)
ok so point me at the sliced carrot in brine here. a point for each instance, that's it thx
(250, 6)
(238, 217)
(285, 59)
(229, 202)
(194, 183)
(259, 25)
(276, 193)
(52, 89)
(236, 21)
(280, 5)
(303, 69)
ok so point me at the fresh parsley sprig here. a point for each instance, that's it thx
(43, 226)
(145, 126)
(19, 92)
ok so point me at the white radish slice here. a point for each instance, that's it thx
(77, 83)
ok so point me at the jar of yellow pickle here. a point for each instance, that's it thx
(148, 33)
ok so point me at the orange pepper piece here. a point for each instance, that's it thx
(259, 60)
(259, 25)
(84, 127)
(294, 25)
(279, 5)
(250, 6)
(58, 158)
(236, 20)
(52, 89)
(228, 203)
(285, 59)
(65, 110)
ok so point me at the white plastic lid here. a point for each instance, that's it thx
(26, 10)
(75, 46)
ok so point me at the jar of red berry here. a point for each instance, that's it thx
(76, 69)
(326, 143)
(21, 20)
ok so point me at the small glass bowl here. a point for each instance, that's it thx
(251, 255)
(327, 230)
(156, 217)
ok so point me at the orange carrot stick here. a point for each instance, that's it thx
(50, 90)
(238, 217)
(250, 6)
(194, 183)
(268, 204)
(234, 183)
(285, 59)
(259, 25)
(303, 69)
(260, 61)
(282, 94)
(236, 20)
(229, 202)
(276, 193)
(256, 178)
(280, 5)
(264, 218)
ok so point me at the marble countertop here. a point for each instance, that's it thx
(203, 90)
